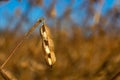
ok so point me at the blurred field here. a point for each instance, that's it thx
(87, 52)
(78, 57)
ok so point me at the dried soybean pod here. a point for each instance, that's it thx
(47, 44)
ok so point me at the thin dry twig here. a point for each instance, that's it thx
(7, 75)
(37, 24)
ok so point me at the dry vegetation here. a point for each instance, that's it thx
(91, 52)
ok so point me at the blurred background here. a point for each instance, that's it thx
(86, 34)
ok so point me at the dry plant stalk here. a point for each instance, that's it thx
(7, 75)
(48, 45)
(37, 24)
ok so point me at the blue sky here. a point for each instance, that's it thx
(8, 8)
